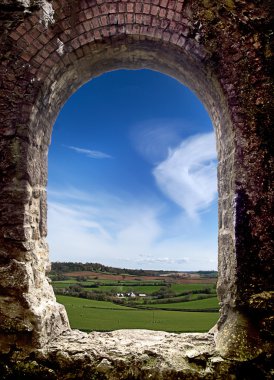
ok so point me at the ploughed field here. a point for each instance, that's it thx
(98, 302)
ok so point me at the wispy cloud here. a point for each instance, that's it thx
(97, 226)
(89, 153)
(152, 138)
(121, 231)
(162, 260)
(102, 228)
(188, 175)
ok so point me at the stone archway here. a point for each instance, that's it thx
(220, 50)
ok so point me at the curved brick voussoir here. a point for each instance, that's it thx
(221, 50)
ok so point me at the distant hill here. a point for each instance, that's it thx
(58, 268)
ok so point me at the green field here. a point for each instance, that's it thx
(93, 304)
(179, 288)
(148, 289)
(207, 303)
(89, 315)
(124, 285)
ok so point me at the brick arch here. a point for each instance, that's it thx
(50, 48)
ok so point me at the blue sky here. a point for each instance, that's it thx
(132, 175)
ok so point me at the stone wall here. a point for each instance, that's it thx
(221, 50)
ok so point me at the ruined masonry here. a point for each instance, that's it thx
(221, 50)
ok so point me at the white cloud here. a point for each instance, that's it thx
(99, 226)
(107, 229)
(188, 175)
(89, 153)
(125, 232)
(152, 138)
(162, 260)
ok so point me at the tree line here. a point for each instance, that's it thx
(59, 268)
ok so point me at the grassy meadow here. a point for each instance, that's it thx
(172, 305)
(88, 315)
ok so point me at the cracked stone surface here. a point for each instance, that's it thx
(131, 354)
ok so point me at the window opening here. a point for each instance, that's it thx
(132, 184)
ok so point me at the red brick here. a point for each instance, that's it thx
(95, 22)
(15, 36)
(121, 29)
(130, 7)
(122, 7)
(21, 30)
(113, 19)
(88, 13)
(112, 8)
(104, 8)
(104, 20)
(136, 29)
(184, 30)
(164, 3)
(150, 32)
(146, 9)
(87, 25)
(179, 7)
(147, 19)
(164, 23)
(96, 11)
(44, 53)
(158, 33)
(170, 15)
(83, 39)
(166, 36)
(154, 10)
(37, 44)
(49, 63)
(155, 21)
(26, 56)
(22, 44)
(65, 24)
(28, 25)
(97, 34)
(162, 13)
(112, 30)
(174, 38)
(80, 29)
(83, 4)
(75, 43)
(55, 57)
(38, 59)
(34, 20)
(105, 32)
(177, 16)
(121, 19)
(35, 33)
(129, 29)
(171, 4)
(82, 16)
(138, 8)
(28, 38)
(130, 18)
